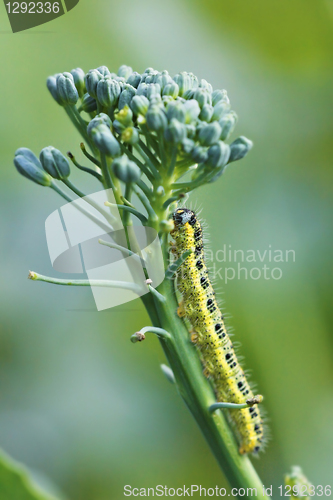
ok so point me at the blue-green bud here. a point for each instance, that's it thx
(192, 110)
(54, 163)
(102, 118)
(209, 134)
(220, 108)
(156, 118)
(88, 103)
(125, 169)
(188, 145)
(176, 110)
(153, 90)
(239, 148)
(199, 154)
(51, 84)
(27, 164)
(118, 127)
(205, 85)
(206, 113)
(134, 79)
(188, 94)
(175, 132)
(203, 96)
(171, 89)
(218, 155)
(126, 96)
(66, 88)
(184, 81)
(91, 80)
(130, 135)
(139, 105)
(162, 79)
(105, 140)
(228, 123)
(108, 91)
(104, 71)
(125, 71)
(125, 116)
(78, 76)
(191, 130)
(220, 95)
(142, 89)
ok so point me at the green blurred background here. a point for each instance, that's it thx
(79, 403)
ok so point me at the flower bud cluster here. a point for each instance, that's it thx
(184, 114)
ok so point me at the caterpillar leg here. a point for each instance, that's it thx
(194, 337)
(181, 309)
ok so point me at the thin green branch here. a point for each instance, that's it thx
(133, 211)
(85, 169)
(100, 283)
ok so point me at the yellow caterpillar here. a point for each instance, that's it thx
(201, 309)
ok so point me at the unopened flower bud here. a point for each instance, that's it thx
(209, 134)
(91, 80)
(108, 91)
(239, 148)
(126, 96)
(206, 113)
(54, 163)
(51, 84)
(219, 95)
(171, 89)
(153, 90)
(130, 135)
(220, 108)
(192, 110)
(134, 79)
(104, 71)
(175, 132)
(176, 110)
(188, 145)
(199, 154)
(203, 96)
(228, 123)
(105, 140)
(185, 81)
(162, 79)
(78, 76)
(218, 155)
(88, 103)
(191, 130)
(205, 85)
(124, 116)
(125, 71)
(66, 88)
(27, 164)
(139, 105)
(156, 118)
(118, 127)
(102, 118)
(125, 169)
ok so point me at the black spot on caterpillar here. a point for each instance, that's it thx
(202, 311)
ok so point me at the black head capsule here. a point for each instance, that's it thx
(183, 215)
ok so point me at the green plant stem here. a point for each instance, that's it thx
(101, 283)
(199, 396)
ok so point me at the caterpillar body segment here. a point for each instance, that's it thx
(201, 309)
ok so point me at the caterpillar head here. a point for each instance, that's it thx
(183, 215)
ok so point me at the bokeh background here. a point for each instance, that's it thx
(79, 404)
